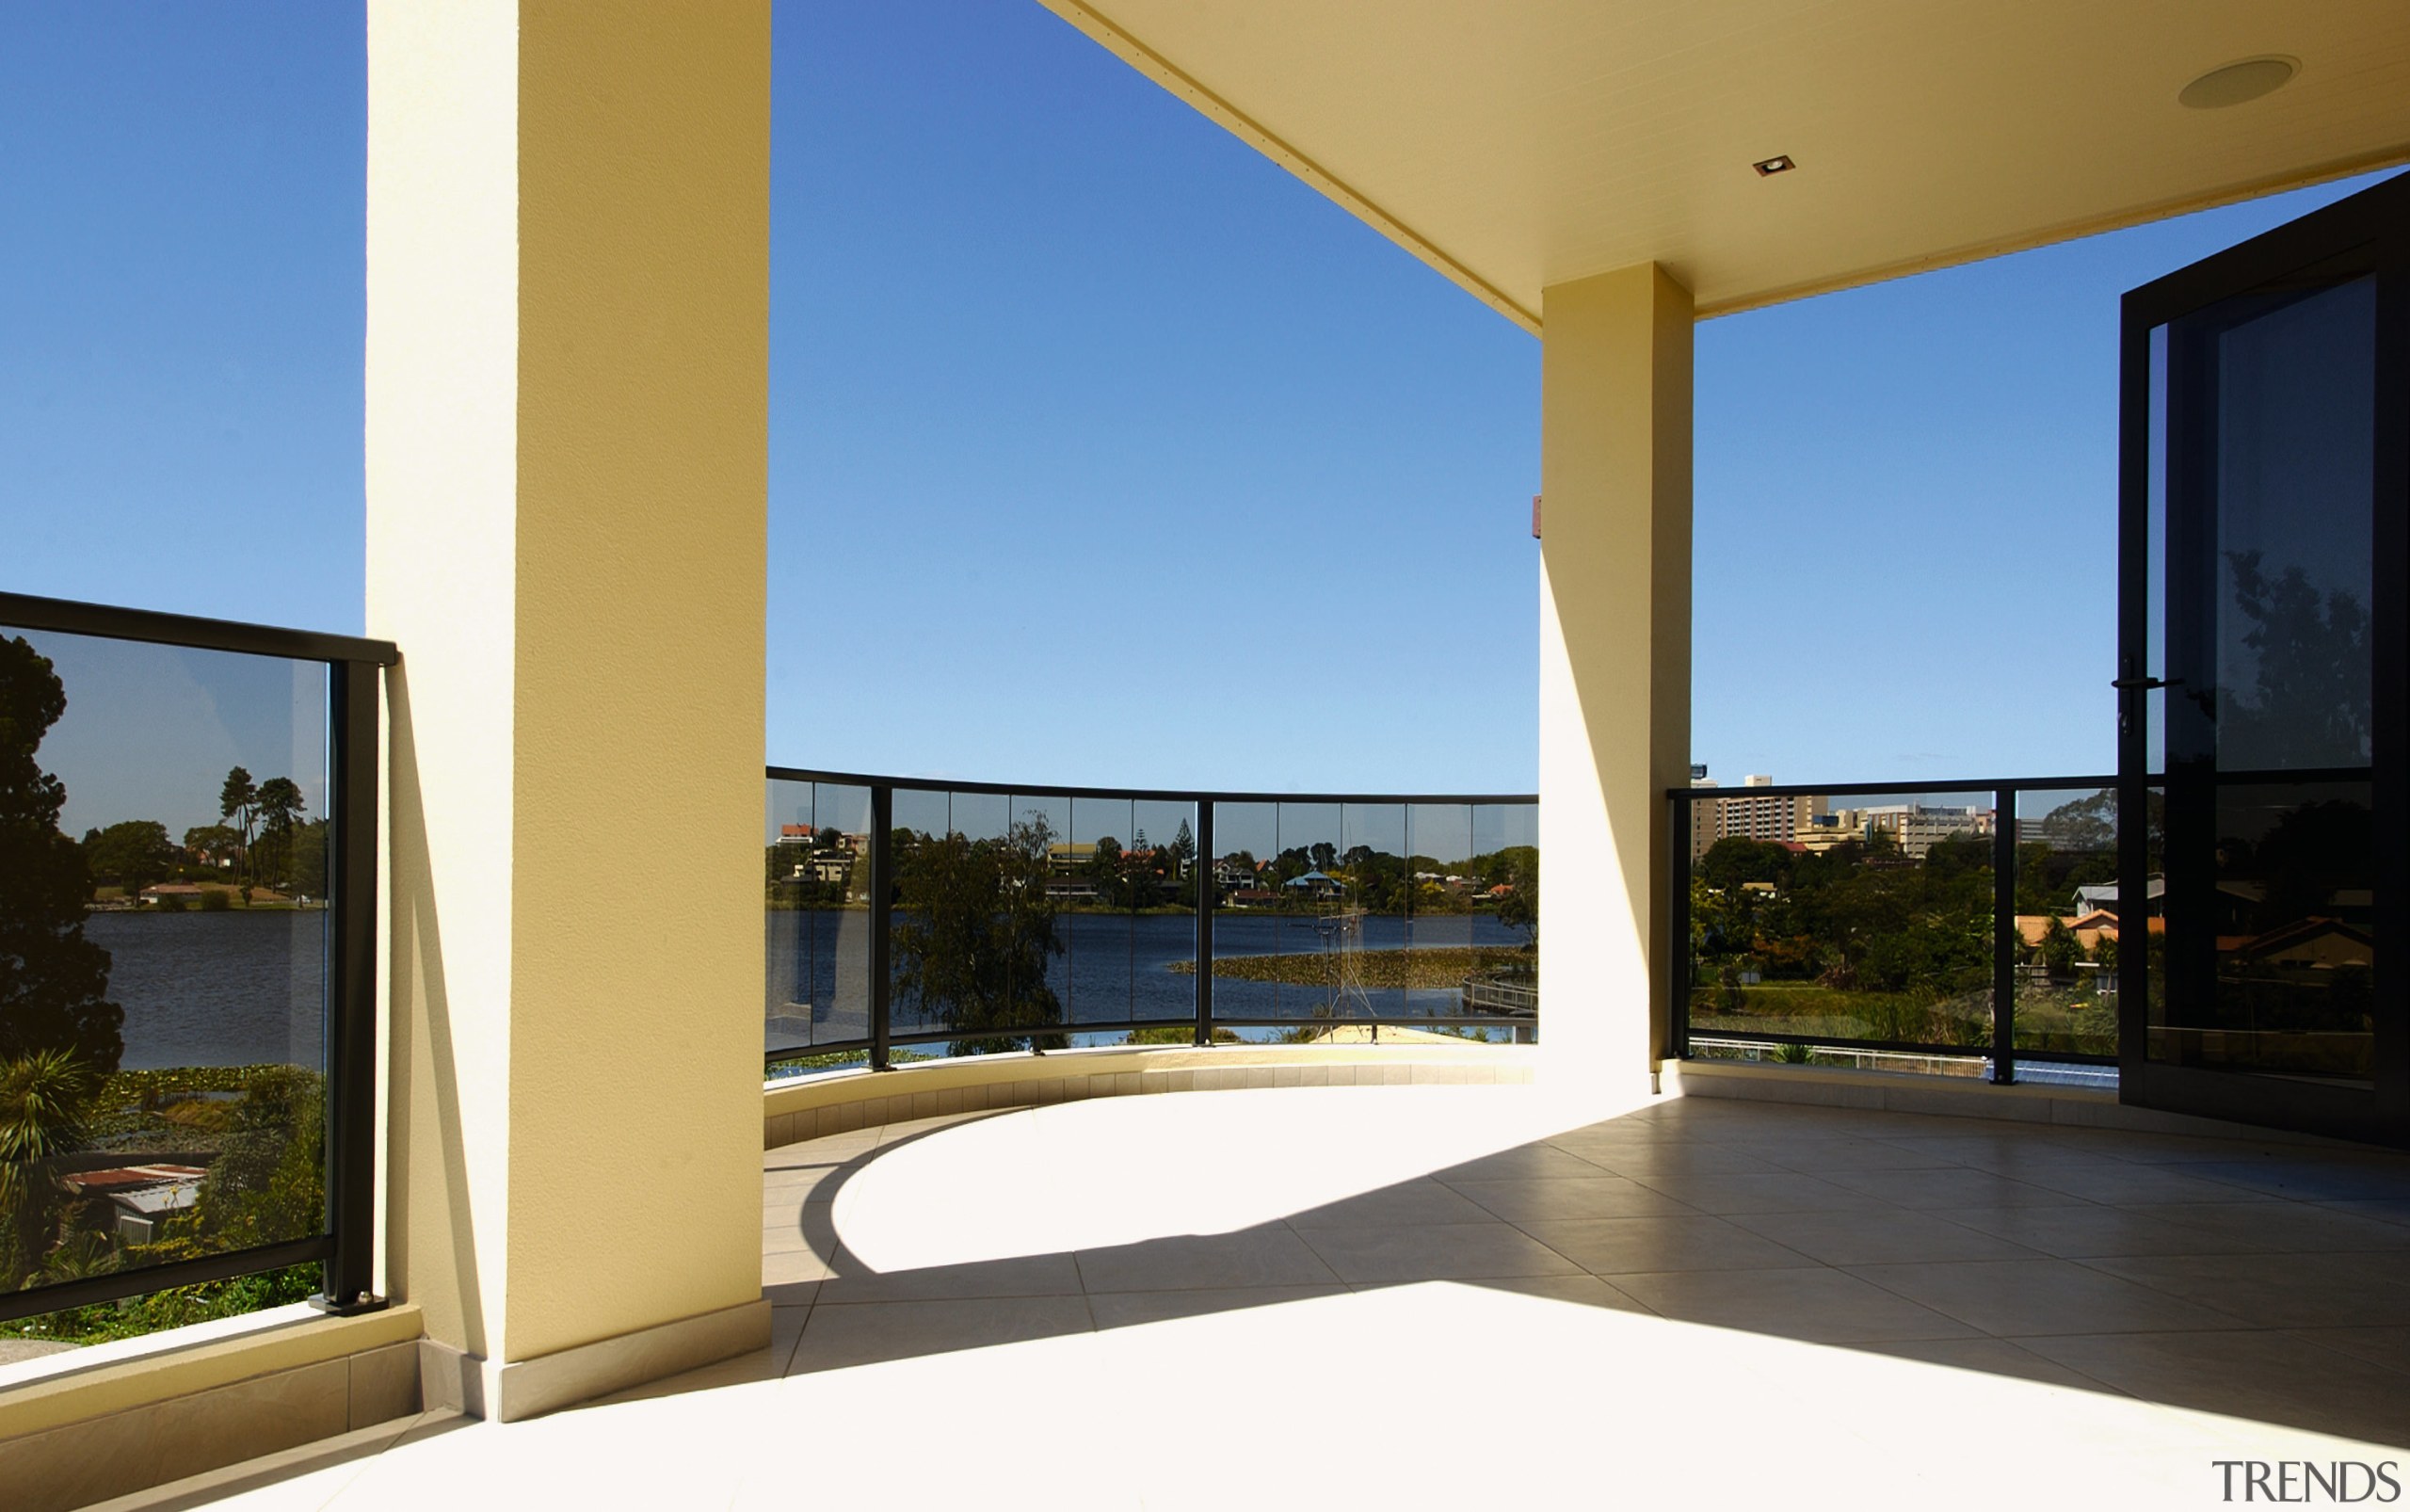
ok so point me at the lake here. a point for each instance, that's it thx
(1115, 969)
(232, 989)
(238, 988)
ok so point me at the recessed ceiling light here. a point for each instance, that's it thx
(2239, 83)
(1773, 166)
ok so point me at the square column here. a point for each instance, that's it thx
(1614, 667)
(567, 440)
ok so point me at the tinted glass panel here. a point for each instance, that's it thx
(2069, 920)
(2294, 447)
(163, 978)
(1161, 897)
(1876, 927)
(974, 951)
(2286, 984)
(1248, 927)
(1096, 911)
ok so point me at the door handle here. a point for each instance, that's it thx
(2127, 688)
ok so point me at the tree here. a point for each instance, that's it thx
(1737, 859)
(214, 844)
(1379, 880)
(1521, 908)
(133, 855)
(306, 850)
(270, 1183)
(2314, 851)
(2060, 949)
(975, 935)
(1105, 869)
(2308, 704)
(53, 981)
(1290, 864)
(235, 800)
(1953, 857)
(277, 809)
(1183, 850)
(2088, 823)
(280, 805)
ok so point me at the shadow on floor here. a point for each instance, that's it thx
(2263, 1281)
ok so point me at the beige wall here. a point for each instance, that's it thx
(567, 371)
(1614, 664)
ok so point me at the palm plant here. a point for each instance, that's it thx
(82, 1257)
(43, 1097)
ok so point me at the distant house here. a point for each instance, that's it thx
(1065, 855)
(2088, 928)
(188, 892)
(141, 1196)
(1251, 897)
(1316, 885)
(811, 859)
(2102, 896)
(2313, 944)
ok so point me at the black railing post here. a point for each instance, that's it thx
(349, 1274)
(882, 889)
(1205, 890)
(2004, 935)
(1678, 918)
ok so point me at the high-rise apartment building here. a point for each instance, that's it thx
(1772, 817)
(1915, 827)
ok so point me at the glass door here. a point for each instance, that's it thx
(2262, 555)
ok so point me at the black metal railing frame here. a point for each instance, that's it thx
(345, 1248)
(2003, 1052)
(883, 1039)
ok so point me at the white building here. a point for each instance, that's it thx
(1914, 828)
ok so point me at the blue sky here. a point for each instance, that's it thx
(1101, 450)
(151, 731)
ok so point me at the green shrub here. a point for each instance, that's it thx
(1176, 1035)
(169, 1309)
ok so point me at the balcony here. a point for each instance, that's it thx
(969, 1195)
(1359, 1258)
(1429, 1295)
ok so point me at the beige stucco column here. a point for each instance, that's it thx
(1614, 665)
(567, 371)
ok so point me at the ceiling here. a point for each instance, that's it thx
(1514, 144)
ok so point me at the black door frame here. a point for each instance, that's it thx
(2367, 233)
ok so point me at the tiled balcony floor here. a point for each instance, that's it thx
(1446, 1296)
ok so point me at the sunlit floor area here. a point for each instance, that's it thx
(1458, 1296)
